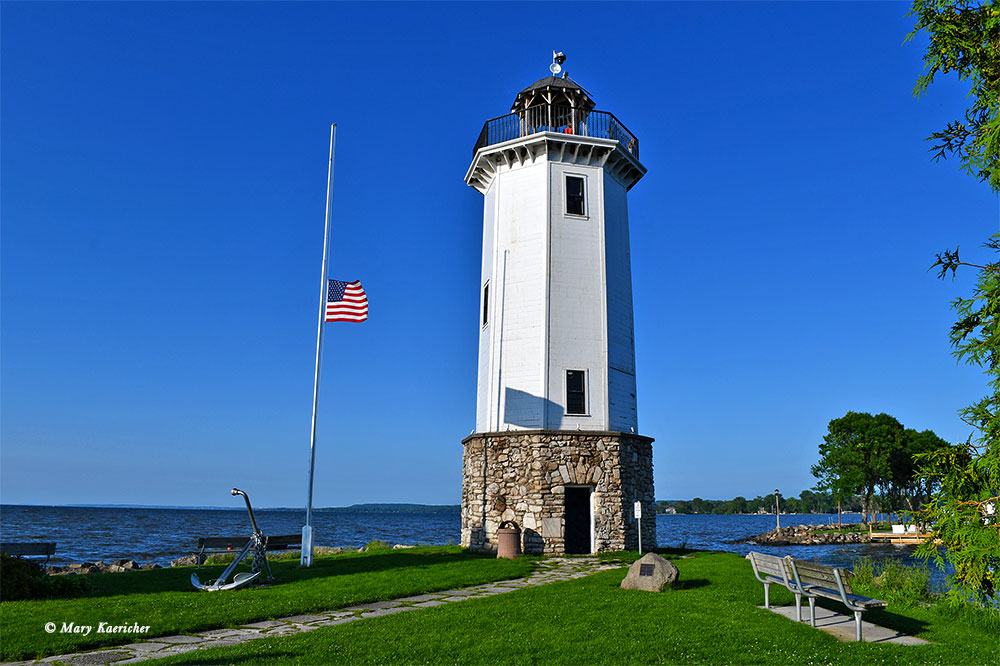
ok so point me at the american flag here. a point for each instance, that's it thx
(346, 301)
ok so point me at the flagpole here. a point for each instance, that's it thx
(307, 530)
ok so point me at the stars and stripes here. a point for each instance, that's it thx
(346, 301)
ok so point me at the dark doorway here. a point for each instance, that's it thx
(578, 520)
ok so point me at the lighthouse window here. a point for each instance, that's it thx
(575, 204)
(486, 303)
(576, 394)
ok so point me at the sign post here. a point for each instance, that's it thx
(637, 509)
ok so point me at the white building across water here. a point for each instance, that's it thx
(556, 448)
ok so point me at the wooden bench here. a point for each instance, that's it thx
(216, 545)
(818, 580)
(29, 549)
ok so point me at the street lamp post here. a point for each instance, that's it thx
(777, 509)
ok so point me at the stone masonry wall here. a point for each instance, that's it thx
(522, 476)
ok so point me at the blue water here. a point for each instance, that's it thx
(157, 536)
(161, 535)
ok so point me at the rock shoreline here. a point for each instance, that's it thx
(118, 566)
(804, 535)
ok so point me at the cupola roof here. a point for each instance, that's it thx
(543, 91)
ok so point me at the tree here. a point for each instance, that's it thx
(963, 513)
(855, 453)
(906, 489)
(964, 38)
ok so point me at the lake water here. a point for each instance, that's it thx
(161, 535)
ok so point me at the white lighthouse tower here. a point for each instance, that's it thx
(555, 450)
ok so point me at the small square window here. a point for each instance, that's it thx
(575, 200)
(486, 303)
(576, 393)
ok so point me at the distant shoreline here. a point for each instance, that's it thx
(354, 508)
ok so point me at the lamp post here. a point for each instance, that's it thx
(777, 509)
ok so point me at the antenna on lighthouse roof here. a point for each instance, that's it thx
(558, 58)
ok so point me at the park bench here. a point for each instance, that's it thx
(810, 580)
(29, 549)
(773, 570)
(216, 545)
(818, 580)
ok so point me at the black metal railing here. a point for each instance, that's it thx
(556, 118)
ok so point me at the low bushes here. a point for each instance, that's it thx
(25, 579)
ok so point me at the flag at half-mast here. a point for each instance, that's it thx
(346, 301)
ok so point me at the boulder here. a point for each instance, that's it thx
(650, 573)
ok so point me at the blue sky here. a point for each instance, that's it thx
(163, 175)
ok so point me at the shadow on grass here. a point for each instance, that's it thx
(882, 618)
(692, 584)
(289, 571)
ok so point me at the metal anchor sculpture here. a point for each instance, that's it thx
(257, 544)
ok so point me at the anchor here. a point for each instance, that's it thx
(257, 544)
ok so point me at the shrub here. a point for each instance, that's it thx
(377, 545)
(891, 580)
(26, 579)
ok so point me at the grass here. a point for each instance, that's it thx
(712, 617)
(165, 600)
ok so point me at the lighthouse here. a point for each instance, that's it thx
(556, 452)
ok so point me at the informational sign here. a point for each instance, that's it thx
(637, 508)
(645, 569)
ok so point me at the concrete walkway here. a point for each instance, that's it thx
(549, 571)
(842, 626)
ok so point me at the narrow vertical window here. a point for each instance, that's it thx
(575, 203)
(576, 394)
(486, 303)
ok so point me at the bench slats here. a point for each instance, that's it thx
(237, 543)
(816, 574)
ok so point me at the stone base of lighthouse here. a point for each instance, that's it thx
(569, 492)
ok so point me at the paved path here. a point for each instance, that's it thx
(842, 626)
(549, 570)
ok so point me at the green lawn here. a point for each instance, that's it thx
(711, 618)
(165, 600)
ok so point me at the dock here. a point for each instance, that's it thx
(899, 535)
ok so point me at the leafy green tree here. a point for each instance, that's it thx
(905, 488)
(964, 512)
(964, 38)
(855, 453)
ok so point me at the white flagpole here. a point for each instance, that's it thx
(307, 530)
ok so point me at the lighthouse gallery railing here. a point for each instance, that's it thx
(554, 118)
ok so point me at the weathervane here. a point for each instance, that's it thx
(558, 58)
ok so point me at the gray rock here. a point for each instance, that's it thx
(650, 573)
(185, 561)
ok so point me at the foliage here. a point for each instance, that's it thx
(712, 617)
(165, 600)
(855, 455)
(964, 511)
(891, 580)
(376, 544)
(21, 578)
(965, 39)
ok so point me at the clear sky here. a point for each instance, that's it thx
(163, 179)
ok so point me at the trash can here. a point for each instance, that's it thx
(508, 540)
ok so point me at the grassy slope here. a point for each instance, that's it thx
(712, 618)
(165, 600)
